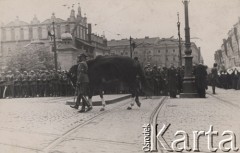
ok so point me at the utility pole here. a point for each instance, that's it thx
(54, 46)
(130, 46)
(179, 42)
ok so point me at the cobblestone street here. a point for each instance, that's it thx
(48, 125)
(37, 125)
(221, 111)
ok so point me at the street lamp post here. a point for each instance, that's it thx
(189, 90)
(54, 46)
(179, 42)
(130, 46)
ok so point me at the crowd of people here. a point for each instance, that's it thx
(41, 83)
(227, 79)
(169, 81)
(165, 81)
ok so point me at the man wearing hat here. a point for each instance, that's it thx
(214, 77)
(82, 84)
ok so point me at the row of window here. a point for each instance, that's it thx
(38, 33)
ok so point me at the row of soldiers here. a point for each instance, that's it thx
(41, 83)
(165, 80)
(169, 81)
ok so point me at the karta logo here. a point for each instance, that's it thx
(181, 141)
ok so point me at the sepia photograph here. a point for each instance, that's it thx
(119, 76)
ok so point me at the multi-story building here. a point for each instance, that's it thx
(161, 52)
(229, 54)
(18, 34)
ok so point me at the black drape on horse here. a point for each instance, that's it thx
(108, 68)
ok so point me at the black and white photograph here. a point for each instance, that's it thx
(119, 76)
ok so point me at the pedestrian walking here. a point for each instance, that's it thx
(214, 77)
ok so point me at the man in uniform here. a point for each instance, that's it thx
(172, 81)
(2, 81)
(201, 80)
(82, 84)
(33, 84)
(25, 85)
(9, 85)
(214, 77)
(17, 84)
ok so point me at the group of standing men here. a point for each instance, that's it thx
(169, 81)
(41, 83)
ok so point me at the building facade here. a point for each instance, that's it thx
(18, 34)
(229, 54)
(161, 52)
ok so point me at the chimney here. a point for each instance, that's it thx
(89, 32)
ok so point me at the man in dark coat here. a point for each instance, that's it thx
(201, 80)
(172, 81)
(82, 84)
(214, 77)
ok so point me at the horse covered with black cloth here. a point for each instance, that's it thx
(108, 68)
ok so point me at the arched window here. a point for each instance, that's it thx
(12, 34)
(3, 34)
(58, 31)
(21, 34)
(40, 32)
(67, 28)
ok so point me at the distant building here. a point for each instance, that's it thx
(156, 51)
(18, 34)
(229, 54)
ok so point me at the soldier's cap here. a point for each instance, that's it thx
(25, 72)
(17, 72)
(9, 71)
(32, 71)
(82, 55)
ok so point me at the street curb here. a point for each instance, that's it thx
(99, 103)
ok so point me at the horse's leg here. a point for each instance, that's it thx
(90, 96)
(102, 98)
(137, 98)
(136, 89)
(132, 98)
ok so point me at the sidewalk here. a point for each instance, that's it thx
(197, 115)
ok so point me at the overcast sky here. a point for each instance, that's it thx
(210, 20)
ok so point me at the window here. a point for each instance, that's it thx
(158, 51)
(21, 34)
(12, 34)
(166, 58)
(67, 28)
(166, 50)
(40, 32)
(174, 50)
(174, 58)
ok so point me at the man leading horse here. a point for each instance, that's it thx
(82, 84)
(107, 68)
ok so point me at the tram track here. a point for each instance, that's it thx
(235, 106)
(65, 135)
(153, 121)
